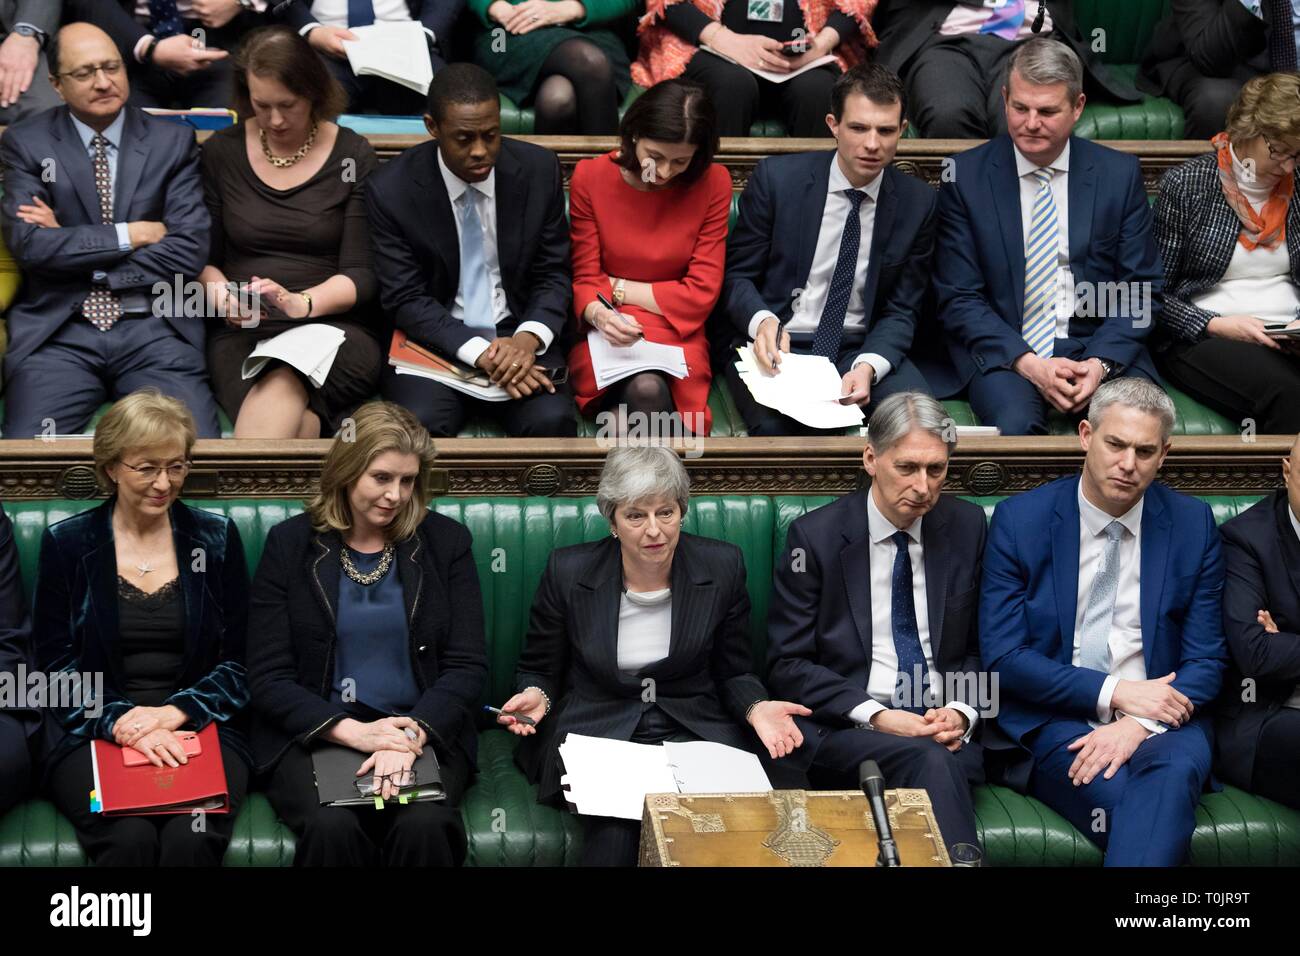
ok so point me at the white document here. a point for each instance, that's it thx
(610, 778)
(768, 74)
(807, 388)
(612, 363)
(308, 348)
(396, 51)
(489, 393)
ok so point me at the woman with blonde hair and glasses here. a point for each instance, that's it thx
(369, 633)
(153, 594)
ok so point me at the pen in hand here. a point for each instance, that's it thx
(609, 305)
(780, 327)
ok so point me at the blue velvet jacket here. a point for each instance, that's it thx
(75, 623)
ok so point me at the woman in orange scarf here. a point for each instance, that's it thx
(724, 44)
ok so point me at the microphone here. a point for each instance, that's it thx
(872, 783)
(1037, 26)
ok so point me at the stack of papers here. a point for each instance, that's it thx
(308, 348)
(612, 363)
(396, 51)
(411, 358)
(770, 75)
(807, 388)
(610, 778)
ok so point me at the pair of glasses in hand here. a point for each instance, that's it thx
(399, 779)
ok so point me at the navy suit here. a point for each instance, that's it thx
(770, 254)
(979, 274)
(1257, 737)
(58, 365)
(1027, 632)
(820, 640)
(16, 725)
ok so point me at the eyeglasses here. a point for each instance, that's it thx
(399, 779)
(1281, 157)
(84, 74)
(176, 471)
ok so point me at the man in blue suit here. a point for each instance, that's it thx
(1101, 615)
(831, 253)
(17, 723)
(102, 206)
(1046, 270)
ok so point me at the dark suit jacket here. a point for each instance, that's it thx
(417, 253)
(1029, 600)
(295, 606)
(117, 19)
(75, 622)
(15, 623)
(1262, 555)
(437, 15)
(42, 14)
(770, 250)
(706, 683)
(157, 179)
(903, 25)
(1215, 35)
(819, 621)
(979, 264)
(1197, 233)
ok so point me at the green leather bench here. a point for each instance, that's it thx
(505, 824)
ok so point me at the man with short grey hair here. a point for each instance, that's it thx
(872, 622)
(1100, 614)
(1046, 268)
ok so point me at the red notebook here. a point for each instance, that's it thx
(145, 789)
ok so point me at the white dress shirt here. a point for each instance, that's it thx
(485, 200)
(883, 679)
(1060, 167)
(334, 13)
(968, 19)
(812, 300)
(645, 628)
(1126, 660)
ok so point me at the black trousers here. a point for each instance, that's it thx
(443, 410)
(418, 834)
(174, 839)
(214, 85)
(737, 94)
(954, 86)
(1277, 758)
(15, 762)
(1239, 379)
(1007, 399)
(1205, 99)
(914, 762)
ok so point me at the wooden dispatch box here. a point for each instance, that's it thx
(785, 828)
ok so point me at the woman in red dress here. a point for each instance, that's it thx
(649, 230)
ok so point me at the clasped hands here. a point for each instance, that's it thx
(946, 725)
(1111, 745)
(391, 749)
(1068, 385)
(151, 731)
(510, 362)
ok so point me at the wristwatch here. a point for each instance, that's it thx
(147, 56)
(619, 291)
(27, 30)
(1107, 368)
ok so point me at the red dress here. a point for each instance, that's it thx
(675, 239)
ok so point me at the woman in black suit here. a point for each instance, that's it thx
(153, 595)
(648, 607)
(17, 723)
(369, 633)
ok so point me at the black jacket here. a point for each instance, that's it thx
(294, 609)
(706, 683)
(1217, 36)
(15, 623)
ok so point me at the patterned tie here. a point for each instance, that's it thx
(102, 306)
(165, 19)
(1039, 327)
(361, 13)
(475, 290)
(830, 328)
(1094, 633)
(1281, 35)
(1006, 19)
(907, 635)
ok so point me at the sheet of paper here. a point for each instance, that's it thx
(308, 348)
(702, 766)
(807, 388)
(396, 51)
(768, 74)
(489, 393)
(610, 778)
(612, 363)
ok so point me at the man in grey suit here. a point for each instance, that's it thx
(102, 206)
(26, 27)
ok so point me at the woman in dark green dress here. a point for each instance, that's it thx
(565, 57)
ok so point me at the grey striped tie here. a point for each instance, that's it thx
(1094, 634)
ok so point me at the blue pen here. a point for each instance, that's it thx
(505, 713)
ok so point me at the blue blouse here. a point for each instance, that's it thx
(372, 660)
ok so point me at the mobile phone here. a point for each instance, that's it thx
(794, 48)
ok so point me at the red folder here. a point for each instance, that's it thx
(147, 790)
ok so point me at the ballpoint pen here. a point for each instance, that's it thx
(609, 305)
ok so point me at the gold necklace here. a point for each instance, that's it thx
(369, 577)
(281, 162)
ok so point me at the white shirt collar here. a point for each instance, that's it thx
(838, 182)
(882, 529)
(456, 186)
(1024, 167)
(1095, 520)
(113, 133)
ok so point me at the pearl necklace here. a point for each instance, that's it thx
(281, 162)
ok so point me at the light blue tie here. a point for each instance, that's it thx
(1094, 634)
(1039, 327)
(475, 289)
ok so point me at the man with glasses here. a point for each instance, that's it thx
(25, 30)
(102, 206)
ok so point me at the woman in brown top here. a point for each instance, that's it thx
(289, 228)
